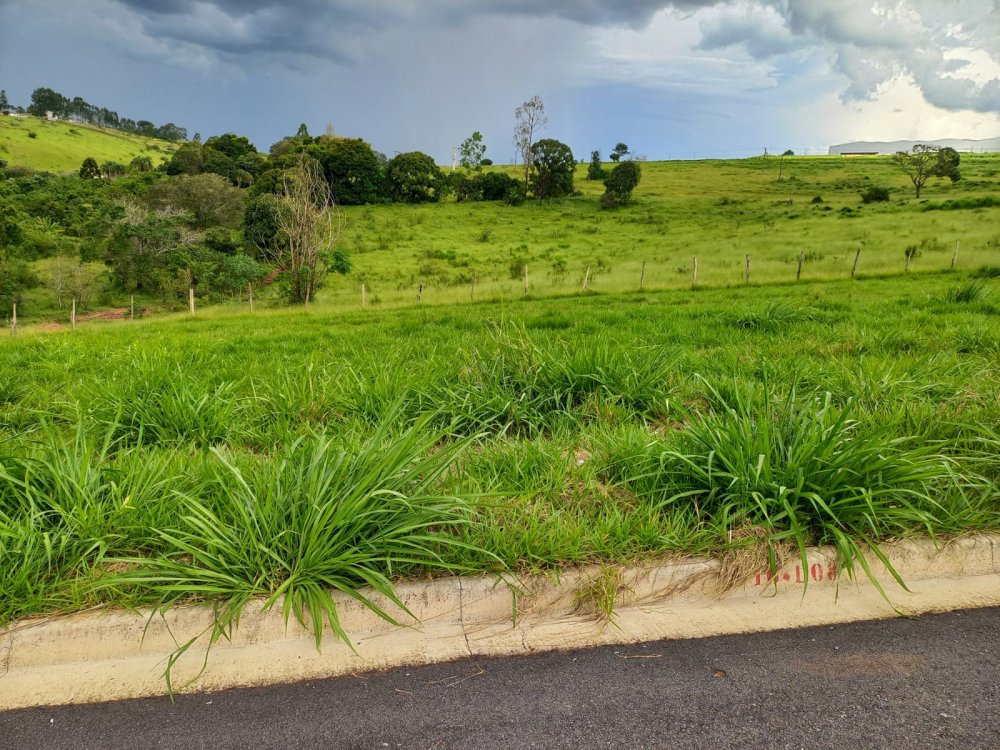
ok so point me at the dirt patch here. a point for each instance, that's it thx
(864, 664)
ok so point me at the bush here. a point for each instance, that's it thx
(552, 166)
(875, 194)
(621, 183)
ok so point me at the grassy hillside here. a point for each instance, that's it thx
(62, 146)
(719, 211)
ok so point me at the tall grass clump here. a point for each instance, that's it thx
(65, 504)
(517, 385)
(972, 291)
(154, 404)
(317, 518)
(805, 472)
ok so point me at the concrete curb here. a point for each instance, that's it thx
(112, 655)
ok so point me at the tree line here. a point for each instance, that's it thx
(45, 100)
(219, 215)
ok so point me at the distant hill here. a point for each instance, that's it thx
(60, 146)
(988, 145)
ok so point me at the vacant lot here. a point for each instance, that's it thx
(294, 451)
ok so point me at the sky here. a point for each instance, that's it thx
(670, 78)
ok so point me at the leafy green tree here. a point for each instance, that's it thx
(4, 104)
(413, 177)
(924, 161)
(302, 132)
(188, 159)
(139, 248)
(46, 100)
(262, 226)
(352, 168)
(620, 184)
(16, 277)
(89, 169)
(618, 152)
(232, 145)
(234, 272)
(552, 165)
(948, 160)
(596, 169)
(472, 151)
(208, 198)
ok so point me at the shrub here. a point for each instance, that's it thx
(987, 272)
(621, 183)
(875, 194)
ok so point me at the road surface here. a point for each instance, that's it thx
(930, 682)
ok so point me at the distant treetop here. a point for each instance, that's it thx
(45, 100)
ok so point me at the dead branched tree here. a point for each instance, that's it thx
(311, 223)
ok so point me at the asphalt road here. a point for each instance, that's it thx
(930, 682)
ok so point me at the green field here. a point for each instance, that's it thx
(288, 452)
(719, 211)
(62, 146)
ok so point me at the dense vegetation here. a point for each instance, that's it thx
(206, 457)
(596, 402)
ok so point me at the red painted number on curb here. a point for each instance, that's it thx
(817, 572)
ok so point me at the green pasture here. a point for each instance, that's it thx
(717, 211)
(62, 146)
(288, 452)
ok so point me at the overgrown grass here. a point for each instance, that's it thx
(293, 452)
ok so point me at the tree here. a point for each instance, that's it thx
(413, 177)
(472, 151)
(232, 145)
(302, 132)
(311, 224)
(618, 152)
(948, 160)
(262, 226)
(924, 161)
(530, 118)
(46, 100)
(596, 170)
(619, 186)
(188, 159)
(4, 104)
(352, 168)
(552, 165)
(209, 199)
(89, 169)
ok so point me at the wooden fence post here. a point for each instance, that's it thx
(472, 288)
(420, 292)
(13, 321)
(72, 314)
(642, 276)
(191, 300)
(798, 272)
(250, 294)
(857, 257)
(364, 296)
(586, 279)
(955, 256)
(746, 274)
(694, 277)
(525, 278)
(131, 307)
